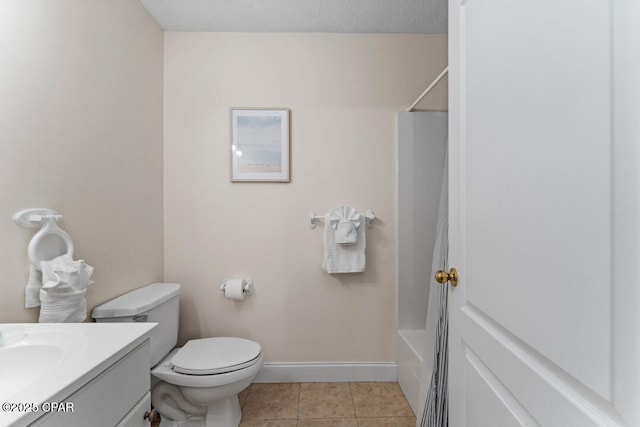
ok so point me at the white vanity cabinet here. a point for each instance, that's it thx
(76, 375)
(118, 396)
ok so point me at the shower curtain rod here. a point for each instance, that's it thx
(426, 91)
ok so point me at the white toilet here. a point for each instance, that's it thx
(197, 385)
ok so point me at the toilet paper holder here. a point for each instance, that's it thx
(247, 286)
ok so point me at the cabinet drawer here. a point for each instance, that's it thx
(106, 399)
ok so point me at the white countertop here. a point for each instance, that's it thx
(84, 350)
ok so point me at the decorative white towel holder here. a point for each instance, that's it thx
(34, 217)
(369, 216)
(51, 241)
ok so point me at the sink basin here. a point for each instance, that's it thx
(39, 354)
(21, 366)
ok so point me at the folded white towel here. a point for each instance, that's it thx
(32, 289)
(339, 258)
(64, 289)
(345, 222)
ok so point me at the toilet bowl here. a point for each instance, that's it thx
(196, 385)
(201, 380)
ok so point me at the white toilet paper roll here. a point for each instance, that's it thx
(233, 289)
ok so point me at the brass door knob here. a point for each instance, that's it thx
(444, 277)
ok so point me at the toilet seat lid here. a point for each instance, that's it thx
(208, 356)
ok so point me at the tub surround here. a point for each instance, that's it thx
(421, 154)
(412, 371)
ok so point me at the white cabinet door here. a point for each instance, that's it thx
(109, 397)
(544, 212)
(135, 417)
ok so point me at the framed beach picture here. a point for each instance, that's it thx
(260, 145)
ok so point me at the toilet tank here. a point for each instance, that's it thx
(157, 302)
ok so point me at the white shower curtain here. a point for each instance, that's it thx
(435, 408)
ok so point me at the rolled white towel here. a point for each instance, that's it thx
(64, 290)
(63, 307)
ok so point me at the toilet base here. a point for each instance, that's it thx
(225, 413)
(200, 400)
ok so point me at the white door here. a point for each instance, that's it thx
(544, 212)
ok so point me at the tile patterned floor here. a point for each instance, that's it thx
(360, 404)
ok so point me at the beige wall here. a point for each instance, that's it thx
(343, 91)
(81, 133)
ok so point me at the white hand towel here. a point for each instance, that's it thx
(345, 221)
(32, 289)
(343, 258)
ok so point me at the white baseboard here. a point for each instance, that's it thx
(327, 372)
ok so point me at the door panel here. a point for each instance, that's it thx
(544, 205)
(535, 332)
(551, 397)
(487, 402)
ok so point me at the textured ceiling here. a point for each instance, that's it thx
(339, 16)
